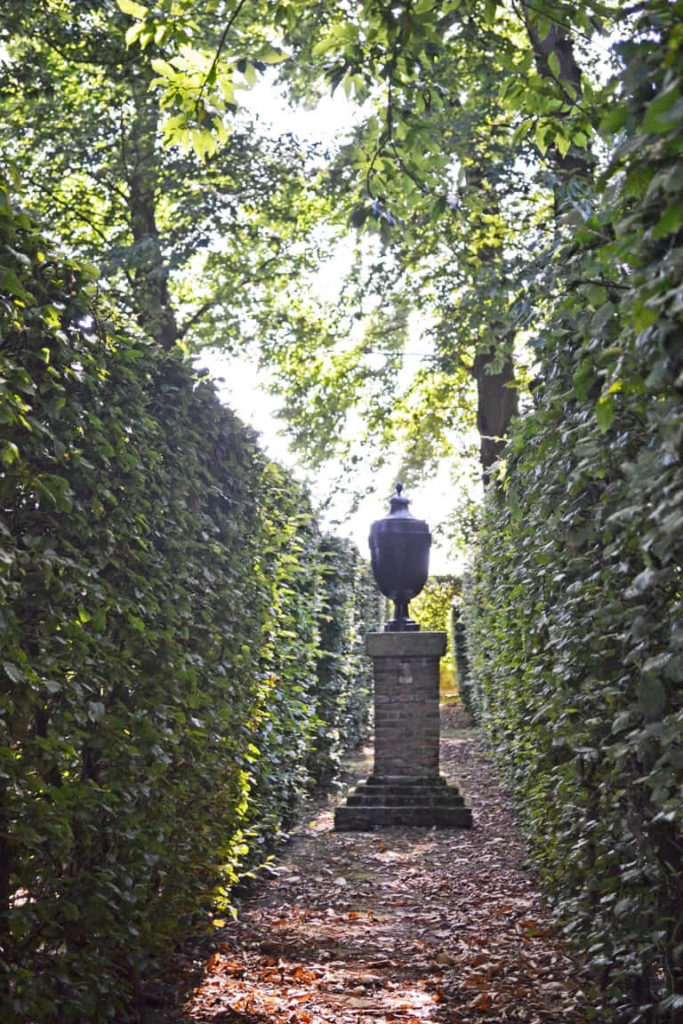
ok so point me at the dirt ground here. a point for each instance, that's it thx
(404, 925)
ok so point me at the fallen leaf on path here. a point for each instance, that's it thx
(482, 1002)
(452, 928)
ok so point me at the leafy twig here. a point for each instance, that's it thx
(221, 44)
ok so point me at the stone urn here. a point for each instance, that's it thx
(399, 551)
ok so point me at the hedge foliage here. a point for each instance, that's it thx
(164, 698)
(575, 605)
(432, 609)
(352, 606)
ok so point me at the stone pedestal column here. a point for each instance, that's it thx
(406, 671)
(405, 787)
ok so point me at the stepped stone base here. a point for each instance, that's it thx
(400, 800)
(405, 787)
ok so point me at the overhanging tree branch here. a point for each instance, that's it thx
(217, 55)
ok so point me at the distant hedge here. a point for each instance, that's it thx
(432, 609)
(575, 606)
(163, 694)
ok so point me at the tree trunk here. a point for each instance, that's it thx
(497, 403)
(577, 162)
(493, 367)
(150, 277)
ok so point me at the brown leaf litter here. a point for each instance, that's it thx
(405, 925)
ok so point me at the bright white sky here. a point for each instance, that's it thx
(243, 386)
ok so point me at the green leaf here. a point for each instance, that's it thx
(562, 143)
(604, 412)
(135, 10)
(490, 7)
(11, 283)
(597, 296)
(270, 55)
(543, 27)
(670, 221)
(9, 453)
(584, 379)
(163, 68)
(664, 112)
(337, 38)
(13, 671)
(133, 33)
(540, 135)
(554, 64)
(652, 696)
(613, 120)
(643, 316)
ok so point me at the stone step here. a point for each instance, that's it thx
(376, 796)
(381, 802)
(368, 819)
(401, 784)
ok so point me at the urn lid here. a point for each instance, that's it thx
(400, 518)
(398, 506)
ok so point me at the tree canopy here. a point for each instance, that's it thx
(480, 125)
(181, 244)
(483, 137)
(476, 124)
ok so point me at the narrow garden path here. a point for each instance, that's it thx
(404, 925)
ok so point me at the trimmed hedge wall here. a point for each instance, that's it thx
(163, 696)
(575, 613)
(352, 607)
(432, 609)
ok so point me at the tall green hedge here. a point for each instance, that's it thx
(162, 592)
(317, 680)
(575, 613)
(352, 607)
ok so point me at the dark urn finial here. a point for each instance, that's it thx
(399, 550)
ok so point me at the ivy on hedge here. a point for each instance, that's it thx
(162, 689)
(575, 616)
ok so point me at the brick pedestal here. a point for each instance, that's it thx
(405, 787)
